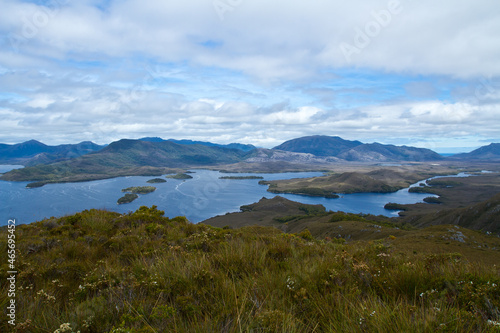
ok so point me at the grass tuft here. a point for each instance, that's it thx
(98, 271)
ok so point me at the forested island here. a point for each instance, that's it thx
(156, 181)
(241, 177)
(140, 189)
(180, 176)
(127, 198)
(132, 193)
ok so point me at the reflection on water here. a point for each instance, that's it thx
(199, 198)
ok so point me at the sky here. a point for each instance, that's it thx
(404, 72)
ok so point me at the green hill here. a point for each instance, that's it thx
(99, 271)
(381, 181)
(481, 216)
(319, 145)
(379, 152)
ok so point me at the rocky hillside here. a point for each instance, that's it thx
(357, 151)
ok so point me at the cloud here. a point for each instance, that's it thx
(270, 40)
(260, 72)
(303, 115)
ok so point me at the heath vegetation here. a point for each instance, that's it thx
(99, 271)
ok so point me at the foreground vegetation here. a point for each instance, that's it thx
(99, 271)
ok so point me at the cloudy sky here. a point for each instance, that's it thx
(406, 72)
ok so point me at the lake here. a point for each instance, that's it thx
(198, 199)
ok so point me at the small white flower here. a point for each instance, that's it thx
(493, 323)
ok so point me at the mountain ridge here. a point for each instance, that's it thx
(34, 152)
(489, 152)
(152, 156)
(356, 151)
(127, 157)
(319, 145)
(240, 146)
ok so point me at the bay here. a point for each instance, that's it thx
(199, 198)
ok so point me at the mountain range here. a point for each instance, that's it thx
(34, 152)
(240, 146)
(489, 152)
(126, 158)
(150, 156)
(321, 145)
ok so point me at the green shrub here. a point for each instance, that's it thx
(143, 272)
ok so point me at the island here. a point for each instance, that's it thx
(241, 177)
(180, 176)
(433, 200)
(35, 184)
(140, 189)
(156, 180)
(395, 206)
(376, 181)
(127, 198)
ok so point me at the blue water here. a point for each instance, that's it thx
(199, 198)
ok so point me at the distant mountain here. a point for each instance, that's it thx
(262, 155)
(152, 139)
(128, 157)
(168, 154)
(23, 150)
(33, 152)
(490, 152)
(376, 152)
(240, 146)
(319, 145)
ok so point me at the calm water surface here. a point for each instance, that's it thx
(199, 198)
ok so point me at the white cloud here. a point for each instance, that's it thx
(40, 101)
(272, 40)
(304, 115)
(267, 72)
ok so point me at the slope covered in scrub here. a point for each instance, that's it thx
(98, 271)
